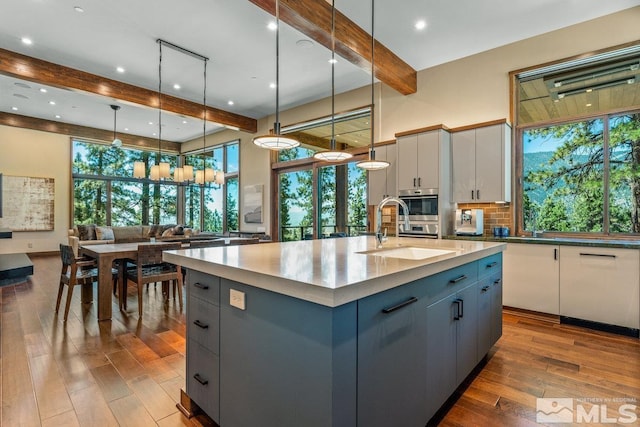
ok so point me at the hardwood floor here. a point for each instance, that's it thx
(129, 371)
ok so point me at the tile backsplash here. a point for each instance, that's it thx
(495, 215)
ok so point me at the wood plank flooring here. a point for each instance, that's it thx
(129, 371)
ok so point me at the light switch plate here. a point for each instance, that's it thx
(236, 299)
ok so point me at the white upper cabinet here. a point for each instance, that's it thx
(481, 159)
(382, 183)
(419, 157)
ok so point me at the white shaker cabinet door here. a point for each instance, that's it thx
(531, 277)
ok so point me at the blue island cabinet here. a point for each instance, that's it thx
(391, 358)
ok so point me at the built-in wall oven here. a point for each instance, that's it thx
(423, 213)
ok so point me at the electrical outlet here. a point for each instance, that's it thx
(236, 299)
(30, 245)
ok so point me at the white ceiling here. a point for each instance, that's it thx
(234, 35)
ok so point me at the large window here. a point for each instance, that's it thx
(578, 146)
(214, 207)
(106, 194)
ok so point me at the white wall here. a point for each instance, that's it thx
(38, 154)
(470, 90)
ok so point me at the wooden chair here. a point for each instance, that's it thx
(77, 271)
(150, 269)
(206, 243)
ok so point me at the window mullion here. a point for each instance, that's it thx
(605, 174)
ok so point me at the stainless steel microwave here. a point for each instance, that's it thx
(422, 206)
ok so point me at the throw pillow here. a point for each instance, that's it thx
(155, 230)
(104, 233)
(87, 231)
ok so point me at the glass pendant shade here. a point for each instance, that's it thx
(154, 174)
(372, 164)
(188, 172)
(178, 175)
(138, 170)
(199, 177)
(219, 179)
(165, 170)
(275, 142)
(332, 156)
(209, 175)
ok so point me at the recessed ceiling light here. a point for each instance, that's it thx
(272, 85)
(27, 41)
(52, 102)
(154, 134)
(333, 61)
(78, 9)
(127, 129)
(120, 69)
(184, 122)
(58, 116)
(21, 96)
(43, 90)
(230, 102)
(588, 105)
(176, 86)
(22, 85)
(272, 26)
(420, 24)
(304, 44)
(14, 108)
(150, 123)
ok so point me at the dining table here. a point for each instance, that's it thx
(106, 254)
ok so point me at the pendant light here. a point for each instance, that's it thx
(333, 155)
(372, 163)
(275, 141)
(160, 169)
(116, 141)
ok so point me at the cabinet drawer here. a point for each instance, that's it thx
(204, 286)
(490, 265)
(203, 379)
(451, 281)
(204, 323)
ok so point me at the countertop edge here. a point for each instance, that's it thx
(594, 243)
(327, 296)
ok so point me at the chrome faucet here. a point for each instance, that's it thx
(405, 213)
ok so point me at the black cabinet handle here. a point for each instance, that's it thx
(201, 380)
(399, 306)
(471, 194)
(497, 281)
(458, 279)
(477, 194)
(201, 286)
(484, 289)
(493, 264)
(414, 182)
(600, 255)
(555, 254)
(459, 309)
(419, 181)
(199, 324)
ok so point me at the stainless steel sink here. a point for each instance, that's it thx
(408, 252)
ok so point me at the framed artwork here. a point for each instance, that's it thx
(27, 203)
(252, 207)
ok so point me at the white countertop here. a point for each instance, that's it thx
(328, 271)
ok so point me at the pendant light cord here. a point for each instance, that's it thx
(204, 119)
(277, 123)
(333, 76)
(115, 112)
(160, 105)
(372, 153)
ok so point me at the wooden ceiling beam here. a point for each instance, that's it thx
(313, 18)
(128, 140)
(47, 73)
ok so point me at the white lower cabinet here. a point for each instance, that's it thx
(600, 285)
(532, 277)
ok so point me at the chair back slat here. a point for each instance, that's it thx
(151, 253)
(66, 253)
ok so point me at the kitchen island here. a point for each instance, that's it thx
(335, 332)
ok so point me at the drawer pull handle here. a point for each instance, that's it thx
(458, 279)
(493, 264)
(459, 309)
(497, 281)
(201, 380)
(199, 324)
(600, 255)
(484, 289)
(201, 286)
(399, 306)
